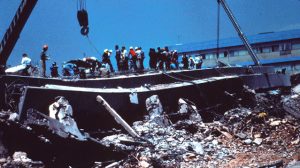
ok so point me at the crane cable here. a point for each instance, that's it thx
(92, 44)
(218, 31)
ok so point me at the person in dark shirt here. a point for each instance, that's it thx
(106, 59)
(44, 58)
(153, 59)
(167, 56)
(185, 61)
(160, 58)
(54, 70)
(118, 57)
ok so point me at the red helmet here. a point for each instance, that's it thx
(45, 47)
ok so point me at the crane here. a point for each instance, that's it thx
(239, 31)
(12, 33)
(24, 10)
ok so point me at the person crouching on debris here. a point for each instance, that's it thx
(62, 111)
(54, 70)
(68, 69)
(106, 59)
(44, 57)
(26, 61)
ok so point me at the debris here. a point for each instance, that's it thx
(275, 123)
(117, 117)
(260, 134)
(21, 157)
(258, 141)
(247, 141)
(133, 97)
(197, 147)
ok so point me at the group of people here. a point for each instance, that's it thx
(133, 59)
(129, 60)
(163, 59)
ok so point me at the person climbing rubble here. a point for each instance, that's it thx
(62, 111)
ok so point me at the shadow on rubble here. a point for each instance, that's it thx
(46, 141)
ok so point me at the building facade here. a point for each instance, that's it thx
(279, 49)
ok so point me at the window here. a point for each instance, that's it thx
(242, 52)
(275, 48)
(285, 46)
(221, 55)
(296, 46)
(210, 56)
(266, 49)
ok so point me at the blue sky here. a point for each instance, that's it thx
(146, 23)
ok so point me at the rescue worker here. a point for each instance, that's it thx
(54, 70)
(118, 57)
(140, 57)
(167, 57)
(153, 58)
(93, 62)
(44, 58)
(124, 59)
(198, 62)
(26, 61)
(160, 58)
(185, 61)
(174, 59)
(69, 69)
(191, 62)
(106, 59)
(133, 58)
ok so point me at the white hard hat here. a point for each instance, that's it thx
(106, 50)
(131, 47)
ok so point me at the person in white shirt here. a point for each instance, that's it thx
(26, 62)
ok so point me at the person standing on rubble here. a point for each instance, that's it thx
(44, 58)
(106, 59)
(140, 57)
(167, 56)
(133, 58)
(118, 57)
(174, 59)
(124, 59)
(185, 61)
(198, 62)
(153, 59)
(191, 62)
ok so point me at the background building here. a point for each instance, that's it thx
(280, 49)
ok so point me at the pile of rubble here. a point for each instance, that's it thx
(262, 130)
(264, 135)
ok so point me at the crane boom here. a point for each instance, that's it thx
(240, 33)
(13, 32)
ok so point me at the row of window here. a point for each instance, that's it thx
(258, 50)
